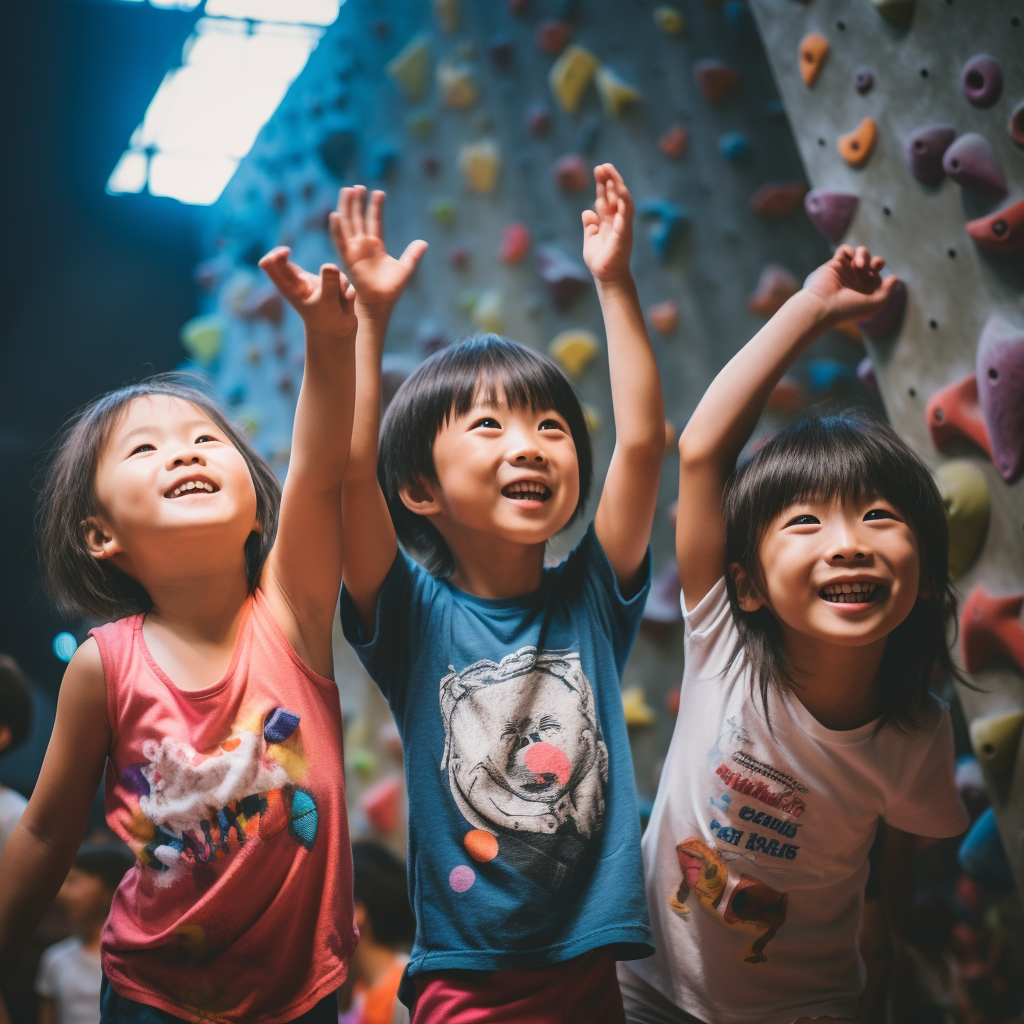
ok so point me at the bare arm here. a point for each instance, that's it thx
(625, 513)
(303, 572)
(848, 287)
(46, 839)
(369, 543)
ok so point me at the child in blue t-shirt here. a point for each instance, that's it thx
(503, 675)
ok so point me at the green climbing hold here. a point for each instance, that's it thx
(443, 211)
(965, 493)
(202, 338)
(409, 69)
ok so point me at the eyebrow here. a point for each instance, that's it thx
(150, 428)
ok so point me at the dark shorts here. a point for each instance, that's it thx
(115, 1009)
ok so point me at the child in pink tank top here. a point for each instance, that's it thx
(210, 701)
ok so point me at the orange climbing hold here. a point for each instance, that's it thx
(814, 49)
(856, 146)
(673, 142)
(787, 396)
(775, 285)
(954, 411)
(778, 199)
(715, 79)
(991, 625)
(1002, 231)
(664, 316)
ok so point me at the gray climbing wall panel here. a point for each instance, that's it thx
(954, 286)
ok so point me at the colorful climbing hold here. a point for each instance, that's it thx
(447, 14)
(715, 79)
(501, 50)
(775, 285)
(739, 22)
(443, 211)
(336, 151)
(302, 819)
(456, 85)
(552, 37)
(669, 20)
(814, 48)
(995, 739)
(735, 147)
(262, 304)
(954, 411)
(571, 173)
(462, 878)
(673, 142)
(570, 75)
(671, 436)
(279, 725)
(899, 12)
(662, 610)
(866, 374)
(856, 146)
(831, 212)
(616, 94)
(669, 221)
(664, 316)
(458, 257)
(573, 350)
(430, 165)
(889, 317)
(538, 119)
(991, 625)
(381, 803)
(924, 149)
(518, 8)
(635, 708)
(1000, 375)
(487, 313)
(515, 243)
(787, 396)
(409, 69)
(480, 163)
(480, 845)
(778, 199)
(863, 80)
(965, 495)
(972, 163)
(565, 278)
(825, 374)
(420, 123)
(982, 80)
(383, 156)
(592, 419)
(1016, 124)
(202, 337)
(1002, 231)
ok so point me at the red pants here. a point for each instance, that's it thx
(584, 989)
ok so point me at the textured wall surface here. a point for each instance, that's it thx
(953, 285)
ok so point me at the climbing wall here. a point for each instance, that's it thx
(482, 122)
(910, 123)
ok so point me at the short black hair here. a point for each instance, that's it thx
(83, 586)
(108, 863)
(379, 883)
(444, 386)
(844, 457)
(15, 702)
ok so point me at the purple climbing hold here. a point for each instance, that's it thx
(888, 318)
(972, 163)
(863, 80)
(866, 373)
(831, 212)
(982, 80)
(564, 277)
(1016, 125)
(923, 152)
(1000, 376)
(279, 725)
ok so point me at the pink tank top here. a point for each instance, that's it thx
(239, 907)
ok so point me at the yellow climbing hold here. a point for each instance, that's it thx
(965, 493)
(457, 85)
(480, 163)
(669, 20)
(899, 12)
(487, 312)
(409, 69)
(635, 707)
(570, 75)
(616, 94)
(592, 419)
(202, 338)
(447, 14)
(995, 739)
(573, 350)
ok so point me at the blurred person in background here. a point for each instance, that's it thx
(15, 726)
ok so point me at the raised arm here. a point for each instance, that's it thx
(303, 573)
(369, 543)
(625, 513)
(848, 287)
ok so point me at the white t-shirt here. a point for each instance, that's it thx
(71, 976)
(756, 851)
(12, 806)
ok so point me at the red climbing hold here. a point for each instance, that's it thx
(538, 119)
(831, 212)
(888, 318)
(778, 199)
(380, 804)
(458, 258)
(971, 162)
(1016, 125)
(1000, 376)
(552, 37)
(571, 173)
(775, 285)
(991, 625)
(787, 396)
(518, 8)
(673, 142)
(1002, 231)
(564, 277)
(515, 243)
(664, 316)
(954, 411)
(715, 79)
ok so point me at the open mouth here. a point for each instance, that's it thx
(526, 490)
(852, 593)
(196, 486)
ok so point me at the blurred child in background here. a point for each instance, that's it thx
(15, 726)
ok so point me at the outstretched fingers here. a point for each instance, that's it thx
(375, 214)
(294, 283)
(413, 253)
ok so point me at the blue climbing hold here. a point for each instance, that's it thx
(983, 857)
(302, 821)
(382, 159)
(824, 374)
(280, 724)
(336, 151)
(669, 221)
(739, 22)
(735, 147)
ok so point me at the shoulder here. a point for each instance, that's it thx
(85, 672)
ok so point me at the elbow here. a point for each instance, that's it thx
(691, 452)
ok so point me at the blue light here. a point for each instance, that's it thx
(64, 646)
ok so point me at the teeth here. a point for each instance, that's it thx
(525, 489)
(192, 485)
(850, 593)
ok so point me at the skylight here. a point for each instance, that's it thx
(235, 69)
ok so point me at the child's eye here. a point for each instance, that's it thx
(551, 425)
(804, 520)
(878, 513)
(489, 422)
(203, 437)
(143, 448)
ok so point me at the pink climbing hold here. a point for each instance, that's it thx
(664, 316)
(1000, 375)
(565, 278)
(982, 80)
(923, 152)
(715, 79)
(673, 142)
(991, 625)
(954, 411)
(775, 285)
(515, 243)
(831, 212)
(1016, 124)
(778, 199)
(971, 162)
(1002, 231)
(380, 804)
(888, 318)
(866, 374)
(571, 173)
(548, 764)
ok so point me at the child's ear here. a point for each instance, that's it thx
(421, 498)
(747, 595)
(98, 539)
(6, 736)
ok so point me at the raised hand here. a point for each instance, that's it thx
(851, 285)
(608, 228)
(359, 239)
(326, 302)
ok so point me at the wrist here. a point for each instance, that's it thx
(615, 284)
(377, 311)
(320, 336)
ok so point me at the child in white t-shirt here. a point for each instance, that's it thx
(815, 592)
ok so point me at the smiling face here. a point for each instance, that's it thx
(844, 572)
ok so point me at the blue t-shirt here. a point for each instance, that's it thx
(524, 836)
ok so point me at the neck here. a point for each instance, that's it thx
(203, 607)
(494, 569)
(838, 685)
(371, 961)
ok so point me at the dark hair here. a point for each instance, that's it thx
(15, 702)
(107, 863)
(445, 386)
(81, 585)
(844, 457)
(379, 883)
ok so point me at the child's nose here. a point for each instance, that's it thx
(189, 457)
